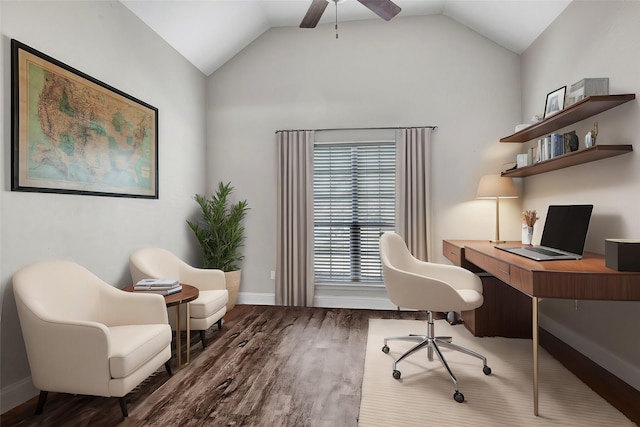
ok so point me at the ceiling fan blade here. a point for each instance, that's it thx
(385, 9)
(314, 14)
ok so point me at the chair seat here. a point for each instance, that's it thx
(208, 303)
(133, 346)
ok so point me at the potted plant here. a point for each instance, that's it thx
(220, 232)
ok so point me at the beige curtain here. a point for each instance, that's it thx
(294, 257)
(413, 192)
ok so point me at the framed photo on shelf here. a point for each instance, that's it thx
(555, 102)
(74, 134)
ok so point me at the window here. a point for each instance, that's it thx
(354, 202)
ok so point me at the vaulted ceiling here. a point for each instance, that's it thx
(210, 32)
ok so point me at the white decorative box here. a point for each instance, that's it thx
(587, 87)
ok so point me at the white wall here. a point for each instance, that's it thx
(593, 39)
(106, 41)
(407, 72)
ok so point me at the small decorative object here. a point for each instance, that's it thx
(586, 88)
(570, 141)
(588, 140)
(527, 235)
(590, 137)
(555, 102)
(537, 118)
(529, 219)
(522, 160)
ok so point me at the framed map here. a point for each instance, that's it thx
(74, 134)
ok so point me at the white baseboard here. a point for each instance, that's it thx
(256, 298)
(358, 302)
(16, 394)
(600, 355)
(327, 301)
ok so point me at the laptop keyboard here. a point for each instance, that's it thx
(544, 251)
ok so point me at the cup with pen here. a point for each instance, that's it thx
(529, 219)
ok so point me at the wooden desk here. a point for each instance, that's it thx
(188, 293)
(587, 278)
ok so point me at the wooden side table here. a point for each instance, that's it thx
(188, 293)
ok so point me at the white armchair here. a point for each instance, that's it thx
(84, 336)
(208, 308)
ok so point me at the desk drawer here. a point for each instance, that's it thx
(502, 271)
(499, 269)
(452, 253)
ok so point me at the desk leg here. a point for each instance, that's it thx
(178, 340)
(534, 322)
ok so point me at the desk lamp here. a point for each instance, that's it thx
(496, 187)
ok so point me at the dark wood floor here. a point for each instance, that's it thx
(268, 366)
(272, 366)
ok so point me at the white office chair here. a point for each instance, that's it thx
(419, 285)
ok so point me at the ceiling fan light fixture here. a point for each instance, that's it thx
(385, 9)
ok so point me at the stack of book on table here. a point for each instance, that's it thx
(158, 286)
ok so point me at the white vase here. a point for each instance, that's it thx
(527, 234)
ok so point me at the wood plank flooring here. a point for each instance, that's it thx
(268, 366)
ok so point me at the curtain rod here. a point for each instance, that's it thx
(371, 128)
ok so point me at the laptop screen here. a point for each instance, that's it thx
(566, 227)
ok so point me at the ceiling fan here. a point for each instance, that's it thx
(385, 9)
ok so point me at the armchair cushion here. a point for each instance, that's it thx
(127, 352)
(208, 302)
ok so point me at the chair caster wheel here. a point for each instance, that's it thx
(486, 370)
(396, 374)
(385, 349)
(458, 397)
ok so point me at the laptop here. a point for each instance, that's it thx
(563, 236)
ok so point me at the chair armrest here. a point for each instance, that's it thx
(130, 308)
(454, 276)
(79, 350)
(202, 278)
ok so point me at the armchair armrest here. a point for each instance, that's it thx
(202, 278)
(79, 350)
(120, 308)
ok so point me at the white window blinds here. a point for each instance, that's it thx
(354, 202)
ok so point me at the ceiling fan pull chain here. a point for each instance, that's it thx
(336, 3)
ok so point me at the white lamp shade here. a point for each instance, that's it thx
(493, 186)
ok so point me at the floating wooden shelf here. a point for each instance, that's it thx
(579, 111)
(586, 155)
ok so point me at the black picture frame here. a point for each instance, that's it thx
(555, 102)
(74, 134)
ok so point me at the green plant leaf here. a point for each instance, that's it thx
(220, 229)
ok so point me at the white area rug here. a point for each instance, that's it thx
(424, 394)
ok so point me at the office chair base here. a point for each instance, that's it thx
(433, 343)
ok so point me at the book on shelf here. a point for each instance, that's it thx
(164, 292)
(157, 283)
